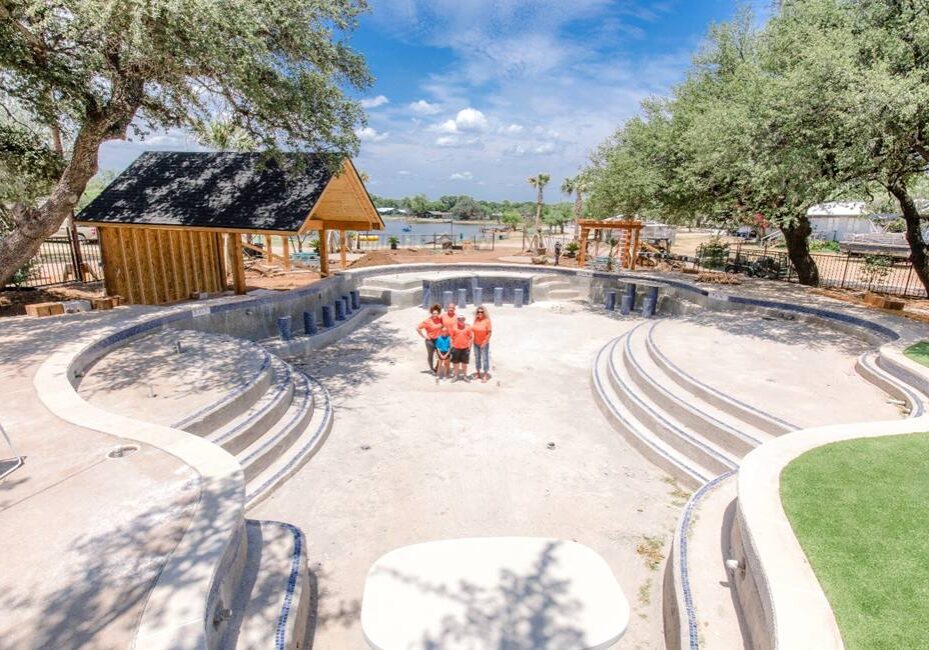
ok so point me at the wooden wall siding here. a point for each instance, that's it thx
(155, 266)
(345, 199)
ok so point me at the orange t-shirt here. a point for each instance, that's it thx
(482, 330)
(450, 321)
(461, 337)
(433, 327)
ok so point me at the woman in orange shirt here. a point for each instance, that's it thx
(462, 337)
(482, 331)
(429, 330)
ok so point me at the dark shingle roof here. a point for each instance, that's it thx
(216, 190)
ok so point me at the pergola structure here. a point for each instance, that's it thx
(165, 221)
(628, 246)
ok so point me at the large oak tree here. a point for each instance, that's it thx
(82, 72)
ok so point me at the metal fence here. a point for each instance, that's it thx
(877, 273)
(60, 262)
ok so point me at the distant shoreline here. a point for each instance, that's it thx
(457, 222)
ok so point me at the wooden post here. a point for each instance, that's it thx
(230, 253)
(286, 241)
(238, 264)
(269, 256)
(323, 253)
(635, 248)
(342, 248)
(582, 251)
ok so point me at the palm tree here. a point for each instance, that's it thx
(539, 181)
(576, 186)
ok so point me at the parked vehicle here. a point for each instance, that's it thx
(84, 233)
(762, 267)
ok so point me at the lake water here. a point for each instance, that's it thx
(458, 230)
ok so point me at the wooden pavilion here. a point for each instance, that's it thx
(165, 221)
(628, 245)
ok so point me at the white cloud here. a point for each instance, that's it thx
(461, 176)
(457, 141)
(512, 129)
(404, 172)
(470, 119)
(467, 120)
(368, 134)
(374, 102)
(425, 108)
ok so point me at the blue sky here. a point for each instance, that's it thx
(474, 96)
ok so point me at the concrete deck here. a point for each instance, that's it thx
(84, 537)
(409, 460)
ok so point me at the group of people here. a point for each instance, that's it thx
(449, 340)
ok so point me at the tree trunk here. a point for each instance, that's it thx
(578, 206)
(798, 250)
(914, 233)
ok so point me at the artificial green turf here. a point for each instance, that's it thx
(861, 512)
(919, 352)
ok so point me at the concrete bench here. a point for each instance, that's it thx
(493, 592)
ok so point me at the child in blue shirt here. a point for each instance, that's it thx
(443, 347)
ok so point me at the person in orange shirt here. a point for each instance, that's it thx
(450, 318)
(462, 337)
(429, 330)
(482, 331)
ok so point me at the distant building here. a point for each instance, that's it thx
(839, 220)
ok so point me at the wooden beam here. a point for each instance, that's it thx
(286, 243)
(337, 224)
(244, 231)
(635, 249)
(343, 244)
(238, 266)
(323, 254)
(269, 256)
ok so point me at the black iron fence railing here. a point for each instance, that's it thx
(878, 273)
(60, 262)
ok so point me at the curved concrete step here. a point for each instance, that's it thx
(636, 433)
(302, 449)
(242, 393)
(745, 412)
(728, 432)
(685, 440)
(259, 455)
(271, 605)
(563, 294)
(868, 367)
(260, 416)
(700, 606)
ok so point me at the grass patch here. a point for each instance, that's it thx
(919, 352)
(650, 550)
(861, 512)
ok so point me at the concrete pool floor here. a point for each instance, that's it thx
(409, 460)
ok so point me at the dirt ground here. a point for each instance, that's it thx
(13, 302)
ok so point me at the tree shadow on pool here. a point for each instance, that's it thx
(523, 611)
(355, 360)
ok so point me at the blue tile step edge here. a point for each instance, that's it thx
(242, 431)
(750, 414)
(271, 606)
(688, 442)
(302, 450)
(244, 391)
(734, 435)
(652, 448)
(680, 611)
(303, 344)
(258, 456)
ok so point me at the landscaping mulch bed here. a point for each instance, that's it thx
(13, 301)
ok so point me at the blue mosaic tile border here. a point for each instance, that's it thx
(693, 631)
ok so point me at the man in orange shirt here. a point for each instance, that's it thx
(450, 318)
(429, 330)
(482, 331)
(462, 337)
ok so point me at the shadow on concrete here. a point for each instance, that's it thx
(348, 365)
(324, 612)
(521, 612)
(107, 576)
